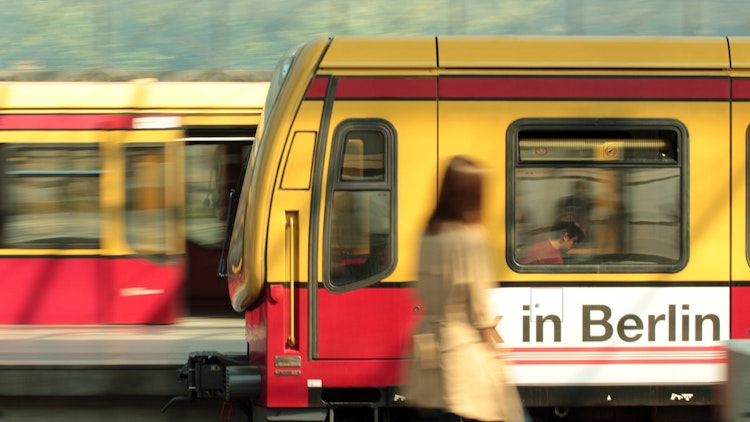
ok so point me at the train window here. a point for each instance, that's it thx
(360, 229)
(51, 196)
(597, 195)
(146, 208)
(213, 163)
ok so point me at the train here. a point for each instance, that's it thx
(643, 139)
(114, 196)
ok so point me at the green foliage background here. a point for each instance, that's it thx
(250, 35)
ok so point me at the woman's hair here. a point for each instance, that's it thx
(460, 198)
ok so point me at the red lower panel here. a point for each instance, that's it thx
(361, 338)
(67, 290)
(370, 323)
(740, 312)
(145, 292)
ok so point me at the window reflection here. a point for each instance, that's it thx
(624, 191)
(360, 165)
(360, 228)
(627, 212)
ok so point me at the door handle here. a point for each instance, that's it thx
(291, 266)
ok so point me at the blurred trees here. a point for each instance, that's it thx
(205, 35)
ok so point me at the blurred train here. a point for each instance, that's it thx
(114, 205)
(643, 140)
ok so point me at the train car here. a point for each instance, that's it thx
(644, 140)
(114, 196)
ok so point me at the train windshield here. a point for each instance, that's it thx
(277, 80)
(236, 247)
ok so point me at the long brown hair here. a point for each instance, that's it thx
(460, 198)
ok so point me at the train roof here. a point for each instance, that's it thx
(537, 52)
(740, 48)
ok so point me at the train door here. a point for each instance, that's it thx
(379, 181)
(213, 165)
(740, 177)
(147, 236)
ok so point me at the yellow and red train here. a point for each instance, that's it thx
(644, 139)
(114, 196)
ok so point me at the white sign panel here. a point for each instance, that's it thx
(157, 122)
(614, 335)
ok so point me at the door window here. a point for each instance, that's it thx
(360, 229)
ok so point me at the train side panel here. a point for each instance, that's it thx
(585, 311)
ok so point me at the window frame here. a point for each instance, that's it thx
(335, 184)
(513, 162)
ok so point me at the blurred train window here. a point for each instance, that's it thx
(747, 196)
(50, 196)
(213, 166)
(145, 199)
(622, 181)
(360, 229)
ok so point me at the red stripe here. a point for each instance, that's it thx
(402, 88)
(617, 361)
(317, 89)
(740, 297)
(612, 349)
(620, 355)
(65, 121)
(86, 290)
(605, 88)
(741, 89)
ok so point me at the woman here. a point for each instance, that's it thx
(455, 370)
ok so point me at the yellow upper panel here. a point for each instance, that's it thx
(584, 52)
(132, 95)
(380, 53)
(534, 52)
(740, 48)
(202, 95)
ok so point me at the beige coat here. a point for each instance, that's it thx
(452, 368)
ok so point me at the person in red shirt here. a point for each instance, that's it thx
(565, 234)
